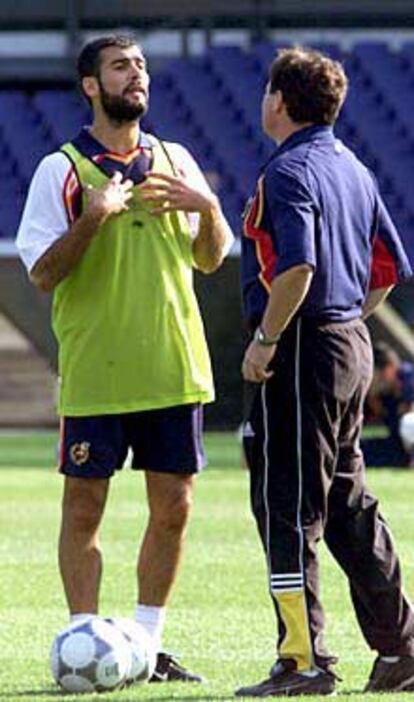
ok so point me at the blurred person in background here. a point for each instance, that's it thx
(114, 224)
(390, 399)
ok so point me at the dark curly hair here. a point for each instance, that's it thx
(90, 56)
(89, 59)
(313, 86)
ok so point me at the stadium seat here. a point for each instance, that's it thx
(264, 52)
(211, 104)
(330, 48)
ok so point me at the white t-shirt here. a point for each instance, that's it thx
(45, 218)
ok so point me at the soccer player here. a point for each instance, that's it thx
(317, 238)
(113, 224)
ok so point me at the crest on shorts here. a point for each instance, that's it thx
(79, 453)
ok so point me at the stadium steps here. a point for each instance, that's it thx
(28, 387)
(386, 324)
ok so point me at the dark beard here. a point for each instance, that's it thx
(118, 109)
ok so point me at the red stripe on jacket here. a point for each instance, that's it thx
(384, 271)
(265, 252)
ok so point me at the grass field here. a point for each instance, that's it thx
(220, 619)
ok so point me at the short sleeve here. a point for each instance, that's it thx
(186, 165)
(44, 218)
(389, 259)
(292, 219)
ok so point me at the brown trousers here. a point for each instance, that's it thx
(302, 444)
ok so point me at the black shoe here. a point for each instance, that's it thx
(392, 677)
(288, 683)
(168, 669)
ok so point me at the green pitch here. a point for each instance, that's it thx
(220, 618)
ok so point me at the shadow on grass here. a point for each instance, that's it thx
(30, 694)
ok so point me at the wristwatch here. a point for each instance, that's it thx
(263, 340)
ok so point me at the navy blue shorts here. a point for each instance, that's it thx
(165, 440)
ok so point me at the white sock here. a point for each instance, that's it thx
(390, 659)
(78, 618)
(153, 620)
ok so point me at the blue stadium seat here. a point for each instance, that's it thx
(10, 213)
(211, 104)
(12, 102)
(329, 48)
(62, 111)
(264, 52)
(392, 85)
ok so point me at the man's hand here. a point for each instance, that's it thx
(60, 259)
(170, 194)
(111, 199)
(255, 362)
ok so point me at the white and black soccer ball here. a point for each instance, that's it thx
(90, 656)
(143, 653)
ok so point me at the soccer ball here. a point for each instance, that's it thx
(407, 431)
(90, 656)
(143, 654)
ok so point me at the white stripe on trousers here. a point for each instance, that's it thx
(286, 582)
(300, 467)
(266, 476)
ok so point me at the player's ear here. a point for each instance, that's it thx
(90, 86)
(278, 101)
